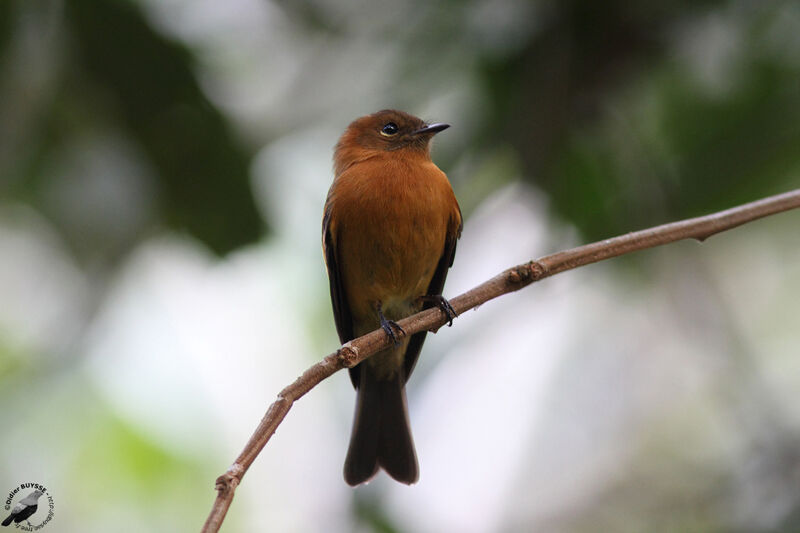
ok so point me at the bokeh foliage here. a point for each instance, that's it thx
(621, 136)
(114, 74)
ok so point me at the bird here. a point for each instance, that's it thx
(24, 509)
(389, 231)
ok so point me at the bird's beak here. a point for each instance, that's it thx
(431, 128)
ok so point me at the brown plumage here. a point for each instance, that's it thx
(389, 235)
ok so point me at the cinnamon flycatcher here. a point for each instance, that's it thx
(389, 235)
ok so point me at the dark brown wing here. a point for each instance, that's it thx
(434, 289)
(341, 311)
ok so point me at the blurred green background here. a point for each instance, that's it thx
(163, 166)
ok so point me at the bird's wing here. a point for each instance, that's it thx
(341, 310)
(26, 513)
(434, 289)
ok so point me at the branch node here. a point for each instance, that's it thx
(537, 270)
(348, 355)
(227, 482)
(526, 272)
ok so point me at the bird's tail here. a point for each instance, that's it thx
(381, 434)
(7, 521)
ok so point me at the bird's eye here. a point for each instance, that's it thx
(389, 129)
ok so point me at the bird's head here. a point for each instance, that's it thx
(385, 131)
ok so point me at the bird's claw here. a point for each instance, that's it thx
(444, 305)
(389, 326)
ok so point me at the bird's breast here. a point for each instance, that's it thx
(391, 222)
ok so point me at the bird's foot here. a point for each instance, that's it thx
(442, 303)
(392, 328)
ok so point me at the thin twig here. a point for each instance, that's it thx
(511, 280)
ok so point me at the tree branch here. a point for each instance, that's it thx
(511, 280)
